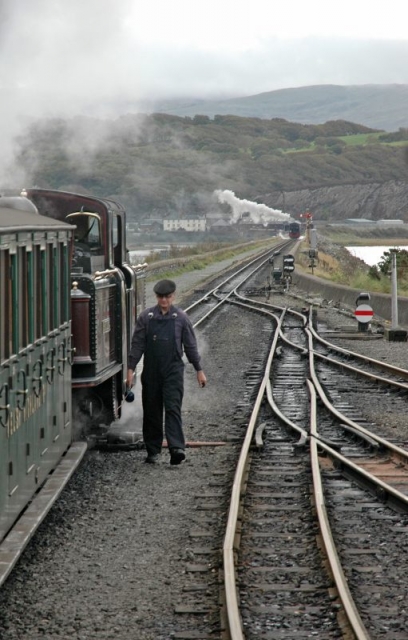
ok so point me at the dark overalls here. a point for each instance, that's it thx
(162, 386)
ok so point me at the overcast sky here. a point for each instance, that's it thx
(60, 57)
(91, 51)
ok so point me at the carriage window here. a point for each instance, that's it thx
(14, 311)
(50, 288)
(6, 318)
(39, 292)
(2, 305)
(30, 271)
(64, 287)
(22, 294)
(56, 292)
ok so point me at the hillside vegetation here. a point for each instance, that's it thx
(162, 165)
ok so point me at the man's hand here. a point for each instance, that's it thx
(130, 378)
(201, 378)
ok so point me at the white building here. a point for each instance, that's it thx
(187, 224)
(390, 223)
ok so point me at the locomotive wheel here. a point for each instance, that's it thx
(88, 407)
(96, 409)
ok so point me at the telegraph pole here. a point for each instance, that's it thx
(394, 292)
(309, 218)
(394, 333)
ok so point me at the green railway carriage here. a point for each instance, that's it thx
(35, 351)
(69, 300)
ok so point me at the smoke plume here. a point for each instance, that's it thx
(258, 213)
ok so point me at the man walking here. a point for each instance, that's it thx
(161, 335)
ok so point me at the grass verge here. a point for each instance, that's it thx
(347, 271)
(195, 262)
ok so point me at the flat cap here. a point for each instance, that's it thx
(164, 287)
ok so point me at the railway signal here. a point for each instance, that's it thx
(288, 263)
(309, 223)
(364, 314)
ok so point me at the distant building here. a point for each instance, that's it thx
(186, 224)
(252, 230)
(222, 227)
(357, 221)
(390, 223)
(152, 225)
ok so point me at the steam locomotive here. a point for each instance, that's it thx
(294, 230)
(69, 299)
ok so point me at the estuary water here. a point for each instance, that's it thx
(371, 255)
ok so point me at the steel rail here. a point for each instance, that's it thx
(358, 471)
(269, 393)
(385, 444)
(263, 256)
(340, 579)
(397, 371)
(234, 619)
(303, 433)
(226, 298)
(231, 596)
(367, 374)
(214, 291)
(403, 373)
(233, 615)
(400, 498)
(349, 606)
(275, 307)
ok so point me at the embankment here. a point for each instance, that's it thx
(381, 303)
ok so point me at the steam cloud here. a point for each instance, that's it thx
(259, 213)
(54, 65)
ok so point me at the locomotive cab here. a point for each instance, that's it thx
(88, 253)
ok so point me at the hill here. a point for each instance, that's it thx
(377, 106)
(161, 165)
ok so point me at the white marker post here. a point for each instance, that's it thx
(394, 333)
(394, 292)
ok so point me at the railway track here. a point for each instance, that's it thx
(301, 547)
(293, 387)
(202, 308)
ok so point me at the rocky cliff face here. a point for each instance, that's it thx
(375, 201)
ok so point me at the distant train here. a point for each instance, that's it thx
(68, 302)
(294, 230)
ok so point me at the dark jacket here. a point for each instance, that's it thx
(184, 335)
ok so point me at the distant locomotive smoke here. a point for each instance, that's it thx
(259, 213)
